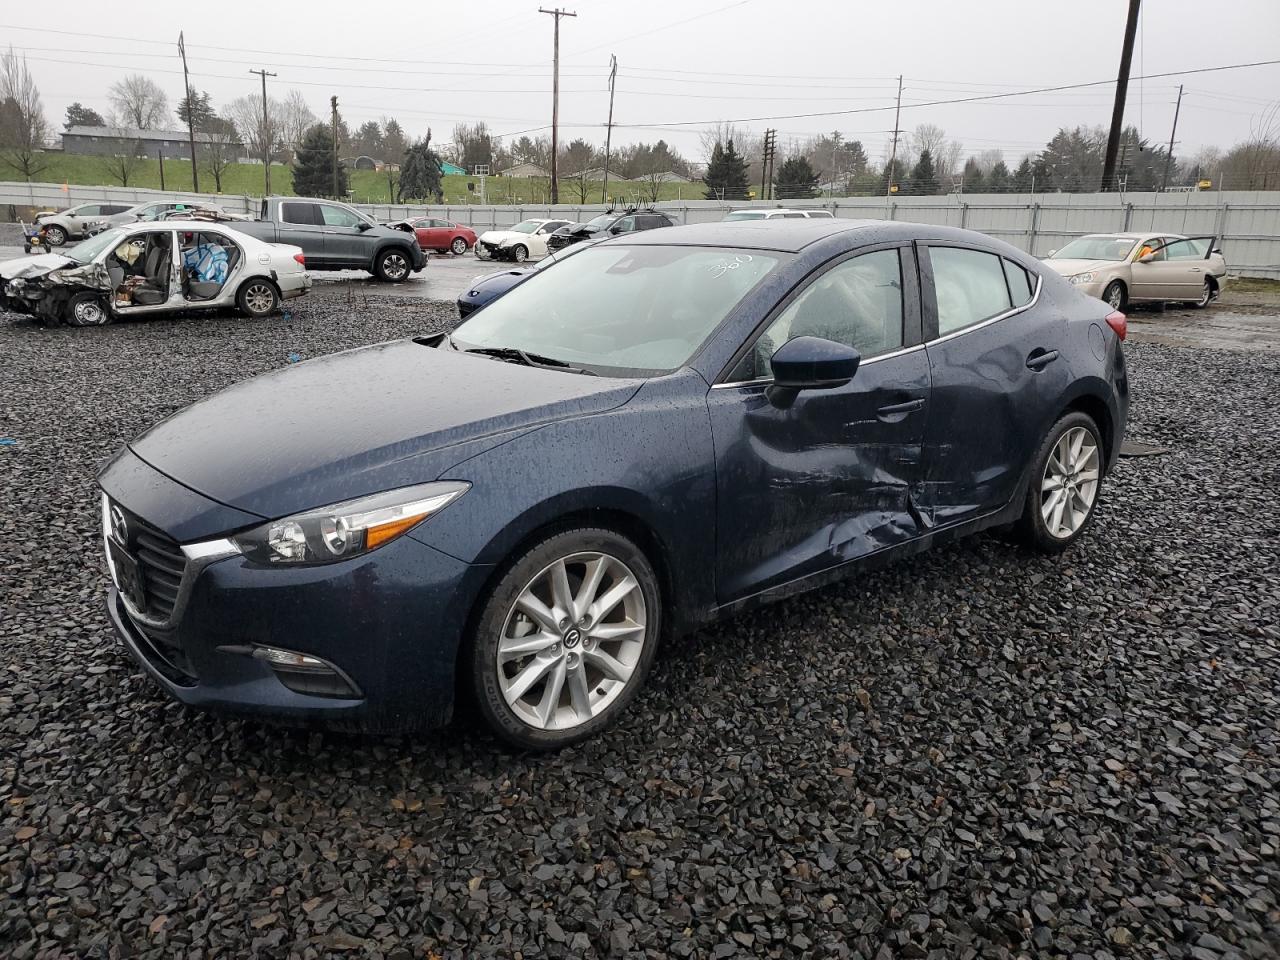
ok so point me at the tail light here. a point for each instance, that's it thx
(1117, 322)
(303, 260)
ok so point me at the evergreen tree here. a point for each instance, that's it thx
(78, 115)
(999, 180)
(1022, 177)
(313, 165)
(420, 172)
(199, 107)
(796, 180)
(924, 180)
(899, 175)
(971, 179)
(726, 175)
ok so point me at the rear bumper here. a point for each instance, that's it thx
(293, 285)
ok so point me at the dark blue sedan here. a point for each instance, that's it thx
(489, 287)
(668, 428)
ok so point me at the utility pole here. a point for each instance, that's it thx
(555, 102)
(333, 121)
(160, 154)
(1168, 159)
(191, 129)
(266, 131)
(893, 152)
(766, 162)
(1122, 90)
(608, 137)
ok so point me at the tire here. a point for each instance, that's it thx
(1061, 528)
(393, 266)
(519, 253)
(459, 246)
(542, 693)
(1116, 295)
(258, 297)
(87, 310)
(1206, 296)
(55, 235)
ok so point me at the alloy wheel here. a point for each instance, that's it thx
(259, 298)
(1205, 295)
(459, 246)
(395, 266)
(1070, 484)
(1115, 296)
(572, 641)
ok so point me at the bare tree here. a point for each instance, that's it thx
(1255, 163)
(123, 165)
(23, 125)
(138, 101)
(295, 117)
(219, 152)
(258, 136)
(987, 160)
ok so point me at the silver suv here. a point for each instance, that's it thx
(76, 222)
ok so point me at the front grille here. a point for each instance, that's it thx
(162, 565)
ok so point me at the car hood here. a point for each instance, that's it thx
(503, 236)
(360, 422)
(26, 268)
(1069, 268)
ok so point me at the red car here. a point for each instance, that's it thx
(440, 235)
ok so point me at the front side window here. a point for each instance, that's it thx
(857, 302)
(625, 225)
(621, 310)
(792, 216)
(88, 210)
(526, 226)
(969, 285)
(339, 216)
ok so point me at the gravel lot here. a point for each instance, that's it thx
(977, 752)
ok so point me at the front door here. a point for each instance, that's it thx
(997, 372)
(344, 241)
(812, 479)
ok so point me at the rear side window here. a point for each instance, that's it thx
(969, 285)
(1194, 249)
(820, 213)
(1022, 286)
(299, 213)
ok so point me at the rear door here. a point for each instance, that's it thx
(1184, 267)
(300, 224)
(812, 480)
(997, 374)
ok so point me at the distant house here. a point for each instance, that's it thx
(363, 162)
(453, 169)
(525, 170)
(667, 176)
(118, 141)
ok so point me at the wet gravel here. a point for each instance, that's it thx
(979, 752)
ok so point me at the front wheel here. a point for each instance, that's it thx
(392, 266)
(1114, 295)
(87, 310)
(459, 246)
(565, 639)
(519, 253)
(258, 298)
(55, 235)
(1206, 295)
(1066, 479)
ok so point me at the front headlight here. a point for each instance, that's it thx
(348, 529)
(1081, 278)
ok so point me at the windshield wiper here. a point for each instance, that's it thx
(516, 355)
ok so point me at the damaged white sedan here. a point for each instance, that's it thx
(151, 268)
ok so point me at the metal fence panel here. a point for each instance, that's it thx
(1248, 223)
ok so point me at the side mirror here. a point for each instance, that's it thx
(364, 225)
(812, 363)
(1217, 250)
(615, 229)
(1149, 258)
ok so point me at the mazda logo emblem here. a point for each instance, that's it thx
(572, 637)
(119, 528)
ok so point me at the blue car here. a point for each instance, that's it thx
(668, 428)
(485, 289)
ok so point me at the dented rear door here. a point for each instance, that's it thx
(812, 481)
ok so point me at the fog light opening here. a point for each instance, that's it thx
(290, 659)
(303, 673)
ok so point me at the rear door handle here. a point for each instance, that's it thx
(908, 406)
(1041, 359)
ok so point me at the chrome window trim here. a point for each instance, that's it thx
(902, 351)
(1035, 298)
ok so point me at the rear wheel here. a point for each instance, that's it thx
(55, 235)
(87, 310)
(519, 253)
(565, 639)
(1066, 480)
(392, 266)
(258, 298)
(1115, 295)
(459, 246)
(1206, 295)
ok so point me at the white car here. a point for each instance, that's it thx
(151, 268)
(526, 240)
(778, 214)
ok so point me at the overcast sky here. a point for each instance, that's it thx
(433, 64)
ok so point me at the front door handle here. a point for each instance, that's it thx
(1040, 359)
(894, 409)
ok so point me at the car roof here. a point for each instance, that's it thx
(792, 236)
(1134, 236)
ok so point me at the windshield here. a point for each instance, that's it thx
(526, 226)
(601, 221)
(744, 215)
(85, 251)
(1096, 248)
(620, 310)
